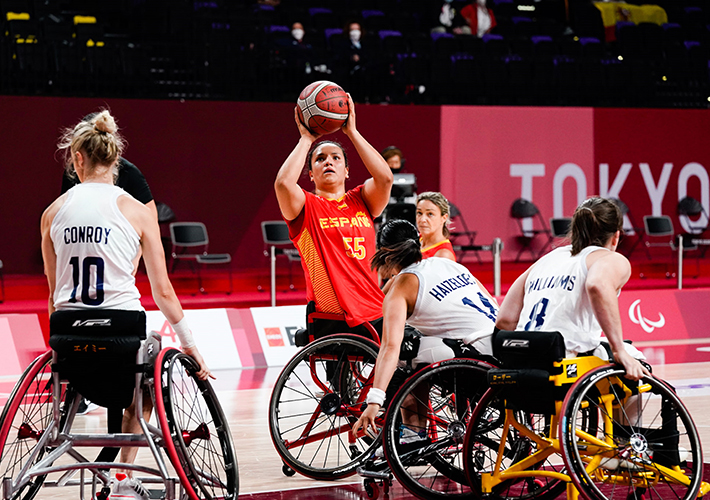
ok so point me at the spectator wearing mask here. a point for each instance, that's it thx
(296, 50)
(353, 60)
(479, 17)
(446, 18)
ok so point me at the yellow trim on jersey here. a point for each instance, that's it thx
(320, 281)
(435, 245)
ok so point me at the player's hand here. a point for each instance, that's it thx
(302, 129)
(350, 124)
(204, 372)
(634, 369)
(367, 419)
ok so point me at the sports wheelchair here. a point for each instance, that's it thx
(436, 403)
(105, 356)
(550, 423)
(319, 396)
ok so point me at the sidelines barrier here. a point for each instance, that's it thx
(669, 326)
(495, 248)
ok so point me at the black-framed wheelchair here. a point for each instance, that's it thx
(436, 403)
(114, 365)
(553, 423)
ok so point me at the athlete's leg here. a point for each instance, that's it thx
(132, 426)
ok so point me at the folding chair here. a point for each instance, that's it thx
(463, 241)
(524, 209)
(185, 237)
(690, 207)
(277, 242)
(559, 226)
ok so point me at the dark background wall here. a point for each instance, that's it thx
(213, 162)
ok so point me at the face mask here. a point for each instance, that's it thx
(297, 34)
(355, 35)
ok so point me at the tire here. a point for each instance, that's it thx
(483, 437)
(26, 416)
(316, 400)
(197, 437)
(638, 454)
(445, 394)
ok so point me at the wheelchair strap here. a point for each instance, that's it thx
(137, 368)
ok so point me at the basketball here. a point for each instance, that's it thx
(323, 107)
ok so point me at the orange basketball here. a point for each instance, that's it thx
(323, 107)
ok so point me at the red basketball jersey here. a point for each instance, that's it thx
(336, 240)
(430, 251)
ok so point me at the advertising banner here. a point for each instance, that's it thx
(667, 325)
(276, 327)
(211, 330)
(490, 156)
(653, 158)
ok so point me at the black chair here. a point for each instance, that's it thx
(692, 239)
(277, 242)
(462, 240)
(559, 226)
(165, 213)
(634, 228)
(187, 237)
(165, 216)
(522, 210)
(659, 228)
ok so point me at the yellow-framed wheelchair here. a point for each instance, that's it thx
(105, 356)
(550, 423)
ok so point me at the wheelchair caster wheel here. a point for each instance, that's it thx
(104, 493)
(371, 488)
(288, 471)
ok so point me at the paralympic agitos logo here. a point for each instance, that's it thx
(636, 316)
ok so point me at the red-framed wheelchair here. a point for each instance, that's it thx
(39, 447)
(317, 398)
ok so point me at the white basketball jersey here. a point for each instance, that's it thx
(556, 299)
(95, 246)
(450, 303)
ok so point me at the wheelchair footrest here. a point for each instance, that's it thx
(376, 470)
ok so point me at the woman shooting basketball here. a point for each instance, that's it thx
(333, 228)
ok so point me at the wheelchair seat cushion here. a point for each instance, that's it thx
(521, 349)
(96, 352)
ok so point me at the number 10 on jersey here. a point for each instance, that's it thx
(82, 274)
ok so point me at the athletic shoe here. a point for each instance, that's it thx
(126, 488)
(409, 436)
(86, 406)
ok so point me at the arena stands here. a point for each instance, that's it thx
(540, 52)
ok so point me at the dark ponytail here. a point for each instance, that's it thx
(594, 222)
(397, 245)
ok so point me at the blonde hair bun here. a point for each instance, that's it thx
(104, 122)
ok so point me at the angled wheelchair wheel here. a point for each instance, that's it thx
(25, 419)
(197, 437)
(643, 443)
(318, 397)
(486, 431)
(426, 424)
